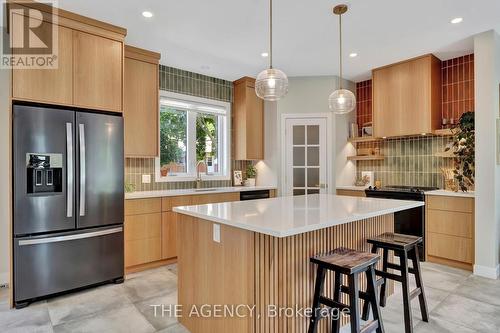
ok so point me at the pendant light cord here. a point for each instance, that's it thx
(340, 38)
(270, 34)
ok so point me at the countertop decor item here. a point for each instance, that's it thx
(238, 178)
(251, 174)
(463, 146)
(341, 101)
(271, 84)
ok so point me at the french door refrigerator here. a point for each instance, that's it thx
(68, 197)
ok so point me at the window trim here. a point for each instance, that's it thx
(226, 145)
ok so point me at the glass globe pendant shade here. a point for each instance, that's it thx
(271, 84)
(342, 101)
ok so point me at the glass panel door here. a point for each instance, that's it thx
(306, 156)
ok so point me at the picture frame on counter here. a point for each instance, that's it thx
(238, 178)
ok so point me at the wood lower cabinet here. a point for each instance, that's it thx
(169, 235)
(407, 97)
(143, 231)
(450, 231)
(351, 193)
(248, 124)
(140, 102)
(151, 227)
(98, 71)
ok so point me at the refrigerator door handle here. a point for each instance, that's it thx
(55, 239)
(70, 169)
(83, 179)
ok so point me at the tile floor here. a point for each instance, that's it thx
(458, 302)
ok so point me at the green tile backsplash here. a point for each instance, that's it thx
(188, 83)
(409, 161)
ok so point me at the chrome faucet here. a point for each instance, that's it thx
(198, 176)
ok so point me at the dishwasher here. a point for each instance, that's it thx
(253, 195)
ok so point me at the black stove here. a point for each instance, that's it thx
(411, 221)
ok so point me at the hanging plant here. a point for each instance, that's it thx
(463, 147)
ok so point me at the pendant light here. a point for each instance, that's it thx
(271, 84)
(341, 101)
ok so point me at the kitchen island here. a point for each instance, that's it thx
(244, 266)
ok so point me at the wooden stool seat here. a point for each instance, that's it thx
(406, 248)
(345, 260)
(395, 241)
(350, 263)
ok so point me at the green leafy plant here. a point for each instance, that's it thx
(251, 171)
(463, 147)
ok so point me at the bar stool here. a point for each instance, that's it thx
(405, 247)
(350, 263)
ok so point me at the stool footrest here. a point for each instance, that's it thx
(370, 327)
(399, 268)
(388, 275)
(416, 292)
(362, 294)
(332, 304)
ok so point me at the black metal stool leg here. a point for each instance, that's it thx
(353, 303)
(336, 298)
(383, 288)
(366, 305)
(318, 290)
(371, 280)
(406, 291)
(418, 279)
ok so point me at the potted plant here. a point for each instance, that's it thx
(164, 170)
(463, 148)
(251, 174)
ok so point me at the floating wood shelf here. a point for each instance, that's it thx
(363, 139)
(366, 158)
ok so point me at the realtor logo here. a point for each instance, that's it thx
(30, 35)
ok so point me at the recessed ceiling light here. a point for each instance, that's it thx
(264, 54)
(147, 14)
(353, 55)
(457, 20)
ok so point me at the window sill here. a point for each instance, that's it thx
(174, 179)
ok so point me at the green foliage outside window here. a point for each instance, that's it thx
(173, 130)
(206, 127)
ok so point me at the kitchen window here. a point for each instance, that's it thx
(193, 129)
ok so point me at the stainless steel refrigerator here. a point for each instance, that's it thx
(67, 200)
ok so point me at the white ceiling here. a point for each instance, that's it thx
(224, 38)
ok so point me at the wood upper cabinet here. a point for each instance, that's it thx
(90, 63)
(407, 97)
(47, 85)
(248, 111)
(98, 72)
(140, 102)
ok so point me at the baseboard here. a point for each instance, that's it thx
(4, 278)
(487, 272)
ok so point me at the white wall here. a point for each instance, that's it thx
(487, 216)
(4, 170)
(307, 95)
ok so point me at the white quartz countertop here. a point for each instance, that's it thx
(175, 193)
(451, 193)
(288, 216)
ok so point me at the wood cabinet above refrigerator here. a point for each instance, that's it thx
(140, 108)
(90, 63)
(407, 97)
(248, 125)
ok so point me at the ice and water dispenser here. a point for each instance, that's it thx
(44, 173)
